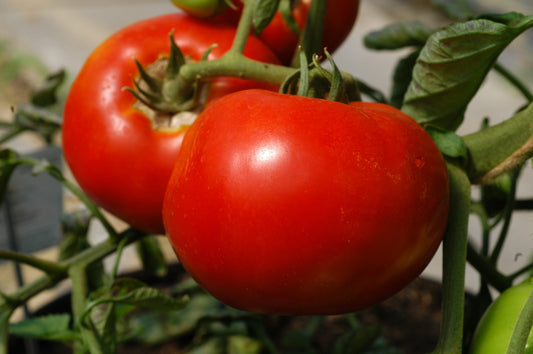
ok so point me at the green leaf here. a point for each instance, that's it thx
(357, 341)
(46, 95)
(508, 19)
(264, 11)
(211, 346)
(286, 12)
(105, 326)
(454, 9)
(154, 327)
(134, 292)
(238, 344)
(403, 74)
(399, 35)
(369, 91)
(51, 327)
(449, 143)
(452, 66)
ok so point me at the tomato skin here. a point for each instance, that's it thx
(116, 156)
(293, 205)
(339, 20)
(495, 328)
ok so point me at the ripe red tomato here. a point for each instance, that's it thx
(294, 205)
(118, 156)
(339, 20)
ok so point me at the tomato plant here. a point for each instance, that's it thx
(296, 205)
(277, 203)
(494, 330)
(340, 16)
(120, 153)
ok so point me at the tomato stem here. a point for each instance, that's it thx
(236, 65)
(311, 38)
(243, 28)
(454, 262)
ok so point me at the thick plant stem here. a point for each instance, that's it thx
(501, 147)
(454, 261)
(79, 292)
(236, 65)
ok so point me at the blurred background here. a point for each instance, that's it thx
(38, 37)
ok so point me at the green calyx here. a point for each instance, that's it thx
(160, 87)
(312, 80)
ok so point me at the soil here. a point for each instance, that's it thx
(408, 321)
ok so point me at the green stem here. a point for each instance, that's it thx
(521, 271)
(514, 81)
(487, 270)
(114, 271)
(311, 40)
(243, 28)
(236, 65)
(74, 189)
(454, 260)
(500, 148)
(522, 328)
(524, 204)
(79, 292)
(93, 208)
(5, 315)
(89, 256)
(41, 264)
(479, 210)
(495, 254)
(11, 134)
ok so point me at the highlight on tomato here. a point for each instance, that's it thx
(294, 205)
(121, 151)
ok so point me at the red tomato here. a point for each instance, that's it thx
(293, 205)
(339, 19)
(119, 158)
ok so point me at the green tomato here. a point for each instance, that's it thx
(495, 328)
(201, 8)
